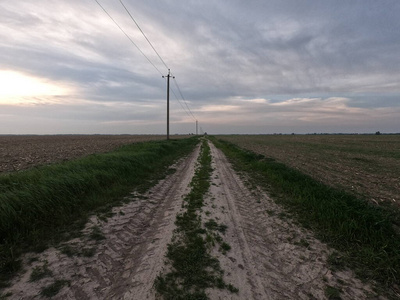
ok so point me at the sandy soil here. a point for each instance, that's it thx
(270, 256)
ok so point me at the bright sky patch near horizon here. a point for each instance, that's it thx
(248, 67)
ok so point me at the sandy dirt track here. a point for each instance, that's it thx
(270, 256)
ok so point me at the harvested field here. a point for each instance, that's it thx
(366, 165)
(19, 152)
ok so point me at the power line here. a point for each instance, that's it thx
(169, 74)
(180, 103)
(183, 98)
(143, 34)
(115, 22)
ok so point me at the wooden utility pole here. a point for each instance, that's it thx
(168, 76)
(196, 127)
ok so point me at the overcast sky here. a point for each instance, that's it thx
(242, 66)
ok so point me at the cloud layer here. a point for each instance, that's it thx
(243, 67)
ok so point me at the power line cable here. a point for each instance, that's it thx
(183, 98)
(115, 22)
(180, 103)
(176, 83)
(180, 92)
(143, 34)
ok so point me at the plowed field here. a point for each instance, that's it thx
(18, 152)
(366, 165)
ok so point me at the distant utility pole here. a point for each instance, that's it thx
(168, 76)
(196, 127)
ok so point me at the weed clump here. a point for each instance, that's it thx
(40, 272)
(54, 288)
(332, 293)
(213, 225)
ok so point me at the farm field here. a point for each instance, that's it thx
(365, 165)
(18, 152)
(191, 236)
(68, 229)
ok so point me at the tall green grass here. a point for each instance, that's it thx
(39, 205)
(362, 232)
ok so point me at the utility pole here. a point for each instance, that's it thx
(196, 127)
(168, 76)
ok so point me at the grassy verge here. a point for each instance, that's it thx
(363, 233)
(41, 206)
(192, 268)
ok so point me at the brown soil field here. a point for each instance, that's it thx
(19, 152)
(365, 165)
(271, 257)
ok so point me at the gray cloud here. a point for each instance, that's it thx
(218, 51)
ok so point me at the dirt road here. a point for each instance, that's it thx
(270, 256)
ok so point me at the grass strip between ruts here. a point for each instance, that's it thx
(42, 205)
(362, 232)
(192, 268)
